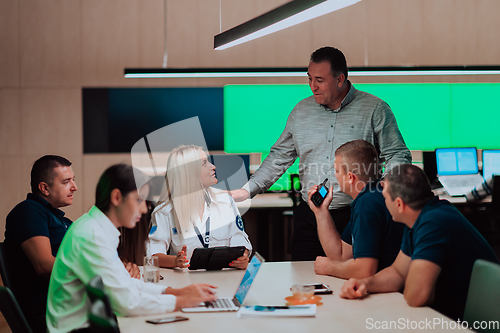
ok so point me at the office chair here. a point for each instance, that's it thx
(99, 321)
(12, 312)
(3, 267)
(495, 205)
(484, 292)
(95, 291)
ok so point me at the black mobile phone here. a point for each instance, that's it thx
(320, 288)
(319, 196)
(166, 320)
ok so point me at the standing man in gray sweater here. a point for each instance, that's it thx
(335, 114)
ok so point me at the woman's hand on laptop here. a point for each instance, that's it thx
(241, 262)
(192, 295)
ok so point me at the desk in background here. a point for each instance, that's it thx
(269, 224)
(271, 286)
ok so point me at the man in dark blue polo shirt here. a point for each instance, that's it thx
(371, 241)
(34, 230)
(438, 251)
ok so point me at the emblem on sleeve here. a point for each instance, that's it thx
(239, 222)
(174, 231)
(152, 230)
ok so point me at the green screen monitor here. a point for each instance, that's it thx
(429, 115)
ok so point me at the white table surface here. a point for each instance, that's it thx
(271, 286)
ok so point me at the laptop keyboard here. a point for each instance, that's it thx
(221, 303)
(462, 182)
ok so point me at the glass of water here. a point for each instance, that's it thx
(151, 269)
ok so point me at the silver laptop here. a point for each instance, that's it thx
(491, 163)
(457, 170)
(233, 304)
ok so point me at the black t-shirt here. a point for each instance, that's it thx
(445, 237)
(371, 231)
(32, 217)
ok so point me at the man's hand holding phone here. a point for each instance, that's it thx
(326, 201)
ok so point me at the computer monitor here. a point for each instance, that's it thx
(491, 163)
(456, 161)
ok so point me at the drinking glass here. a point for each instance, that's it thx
(302, 292)
(151, 269)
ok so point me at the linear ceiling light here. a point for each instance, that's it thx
(291, 13)
(302, 71)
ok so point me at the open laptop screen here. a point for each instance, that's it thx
(491, 163)
(456, 161)
(252, 269)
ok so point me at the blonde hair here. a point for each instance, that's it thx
(184, 187)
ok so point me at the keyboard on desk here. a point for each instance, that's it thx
(221, 303)
(461, 182)
(459, 185)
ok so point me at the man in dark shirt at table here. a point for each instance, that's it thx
(438, 251)
(34, 230)
(371, 241)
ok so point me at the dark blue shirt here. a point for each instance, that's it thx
(442, 235)
(33, 217)
(371, 230)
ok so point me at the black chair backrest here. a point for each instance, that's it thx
(295, 189)
(495, 197)
(3, 267)
(99, 321)
(95, 290)
(12, 312)
(495, 204)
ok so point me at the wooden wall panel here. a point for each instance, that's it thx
(449, 32)
(93, 166)
(49, 42)
(10, 122)
(151, 33)
(11, 190)
(183, 32)
(394, 32)
(487, 26)
(110, 40)
(344, 29)
(9, 43)
(51, 121)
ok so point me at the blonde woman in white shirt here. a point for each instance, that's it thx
(193, 214)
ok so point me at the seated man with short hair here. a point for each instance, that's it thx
(371, 241)
(438, 251)
(34, 230)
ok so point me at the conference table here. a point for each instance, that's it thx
(271, 286)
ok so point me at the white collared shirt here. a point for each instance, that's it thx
(226, 227)
(89, 248)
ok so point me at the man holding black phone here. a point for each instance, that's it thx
(371, 241)
(319, 124)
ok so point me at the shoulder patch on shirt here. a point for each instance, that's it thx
(174, 231)
(239, 222)
(152, 230)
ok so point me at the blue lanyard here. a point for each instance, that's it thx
(204, 241)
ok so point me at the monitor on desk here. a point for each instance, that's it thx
(456, 161)
(491, 163)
